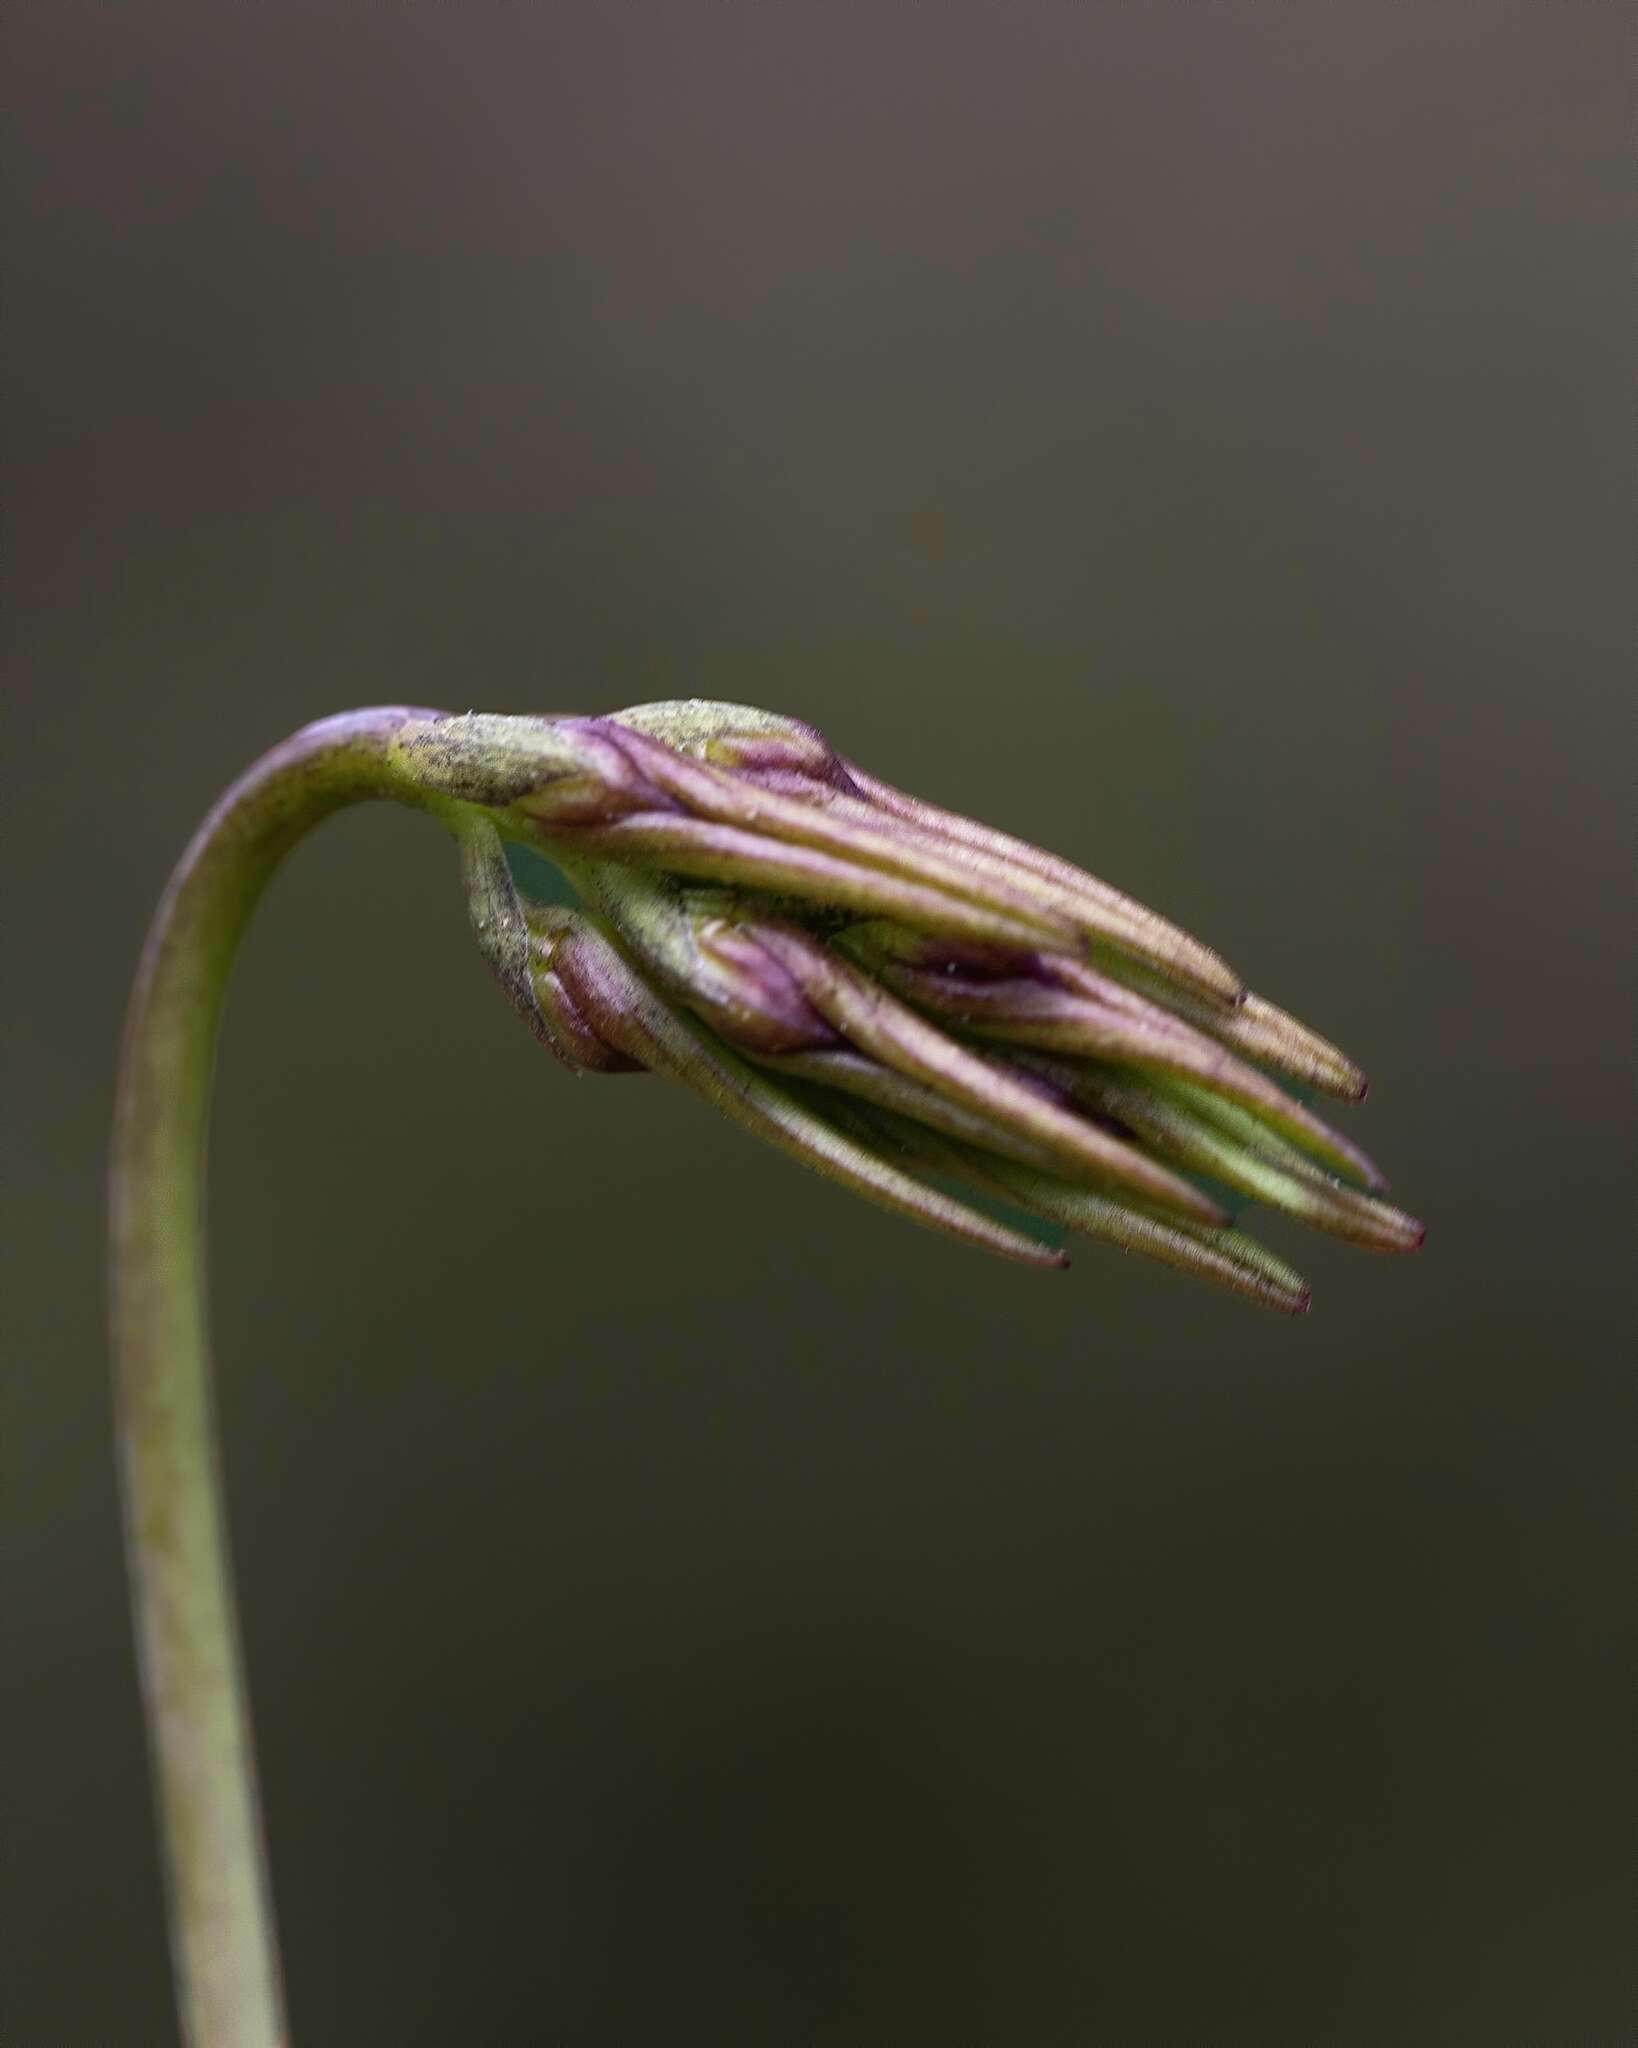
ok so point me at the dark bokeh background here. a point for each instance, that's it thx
(683, 1604)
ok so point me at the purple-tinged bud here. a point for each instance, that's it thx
(810, 990)
(1061, 1005)
(692, 943)
(571, 1031)
(771, 1014)
(629, 1016)
(871, 981)
(896, 1038)
(1114, 922)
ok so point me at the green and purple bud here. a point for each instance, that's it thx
(891, 992)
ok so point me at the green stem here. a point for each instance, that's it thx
(223, 1943)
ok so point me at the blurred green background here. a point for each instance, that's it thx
(682, 1603)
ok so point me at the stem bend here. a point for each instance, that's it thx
(224, 1947)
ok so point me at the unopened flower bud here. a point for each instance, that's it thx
(571, 1030)
(887, 990)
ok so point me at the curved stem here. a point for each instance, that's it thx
(224, 1949)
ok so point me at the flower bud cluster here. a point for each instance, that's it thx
(904, 998)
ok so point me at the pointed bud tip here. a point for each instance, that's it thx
(1397, 1232)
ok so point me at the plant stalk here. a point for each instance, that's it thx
(224, 1948)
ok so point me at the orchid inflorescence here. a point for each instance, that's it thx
(896, 995)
